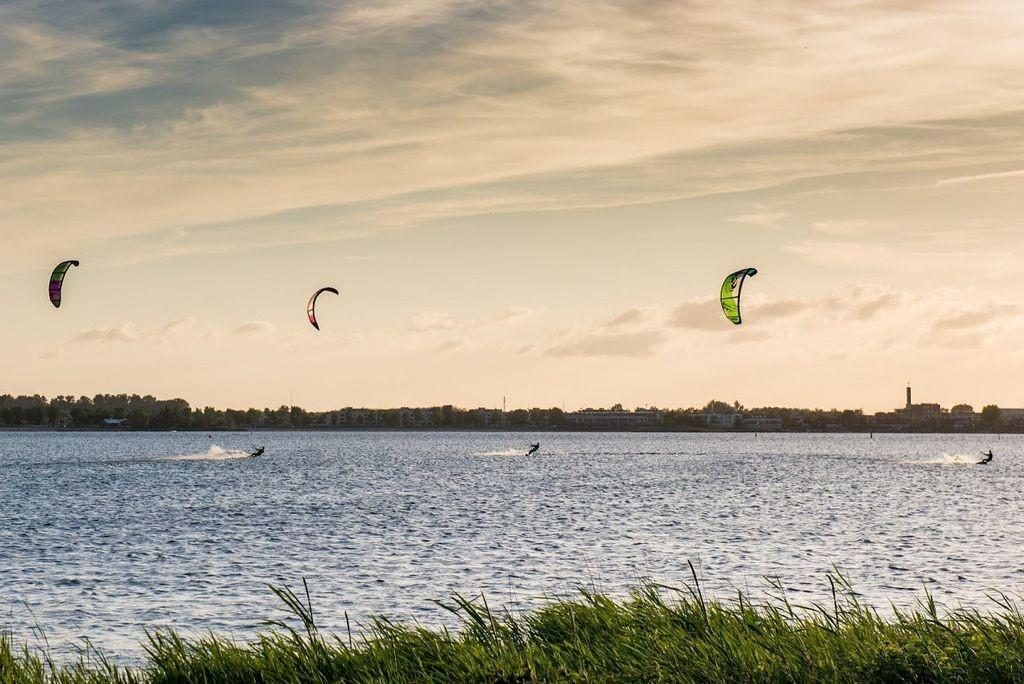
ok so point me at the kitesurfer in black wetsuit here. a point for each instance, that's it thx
(987, 459)
(534, 448)
(258, 452)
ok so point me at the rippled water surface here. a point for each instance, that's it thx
(105, 534)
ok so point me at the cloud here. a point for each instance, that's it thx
(968, 320)
(632, 345)
(853, 302)
(182, 325)
(172, 332)
(630, 317)
(385, 15)
(698, 314)
(440, 321)
(430, 321)
(872, 304)
(999, 175)
(764, 219)
(843, 228)
(125, 334)
(512, 313)
(220, 114)
(451, 346)
(749, 336)
(781, 308)
(254, 328)
(915, 254)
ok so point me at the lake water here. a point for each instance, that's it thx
(103, 535)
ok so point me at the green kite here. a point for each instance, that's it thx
(731, 290)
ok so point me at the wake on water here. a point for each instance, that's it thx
(214, 453)
(951, 459)
(551, 452)
(506, 452)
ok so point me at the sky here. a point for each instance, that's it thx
(531, 200)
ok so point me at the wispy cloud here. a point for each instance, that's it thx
(105, 335)
(636, 345)
(853, 302)
(181, 325)
(312, 105)
(176, 331)
(254, 328)
(698, 314)
(512, 313)
(764, 219)
(969, 320)
(430, 321)
(631, 317)
(999, 175)
(440, 321)
(913, 257)
(451, 346)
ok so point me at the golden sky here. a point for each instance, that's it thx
(536, 200)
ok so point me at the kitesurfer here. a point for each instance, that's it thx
(258, 452)
(534, 448)
(987, 459)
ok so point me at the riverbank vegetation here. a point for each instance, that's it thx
(654, 634)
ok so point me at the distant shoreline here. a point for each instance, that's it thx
(525, 430)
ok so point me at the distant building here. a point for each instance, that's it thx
(1011, 415)
(887, 422)
(919, 413)
(614, 419)
(722, 420)
(409, 417)
(963, 417)
(490, 418)
(763, 424)
(351, 417)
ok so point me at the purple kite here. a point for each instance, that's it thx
(57, 280)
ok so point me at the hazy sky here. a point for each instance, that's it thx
(531, 199)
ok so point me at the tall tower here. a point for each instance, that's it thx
(909, 401)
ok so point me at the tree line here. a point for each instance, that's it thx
(149, 413)
(132, 411)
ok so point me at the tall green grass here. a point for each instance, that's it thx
(657, 633)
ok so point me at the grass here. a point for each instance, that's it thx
(655, 634)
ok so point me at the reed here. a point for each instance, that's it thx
(656, 633)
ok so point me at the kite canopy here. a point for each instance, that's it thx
(731, 290)
(57, 280)
(311, 308)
